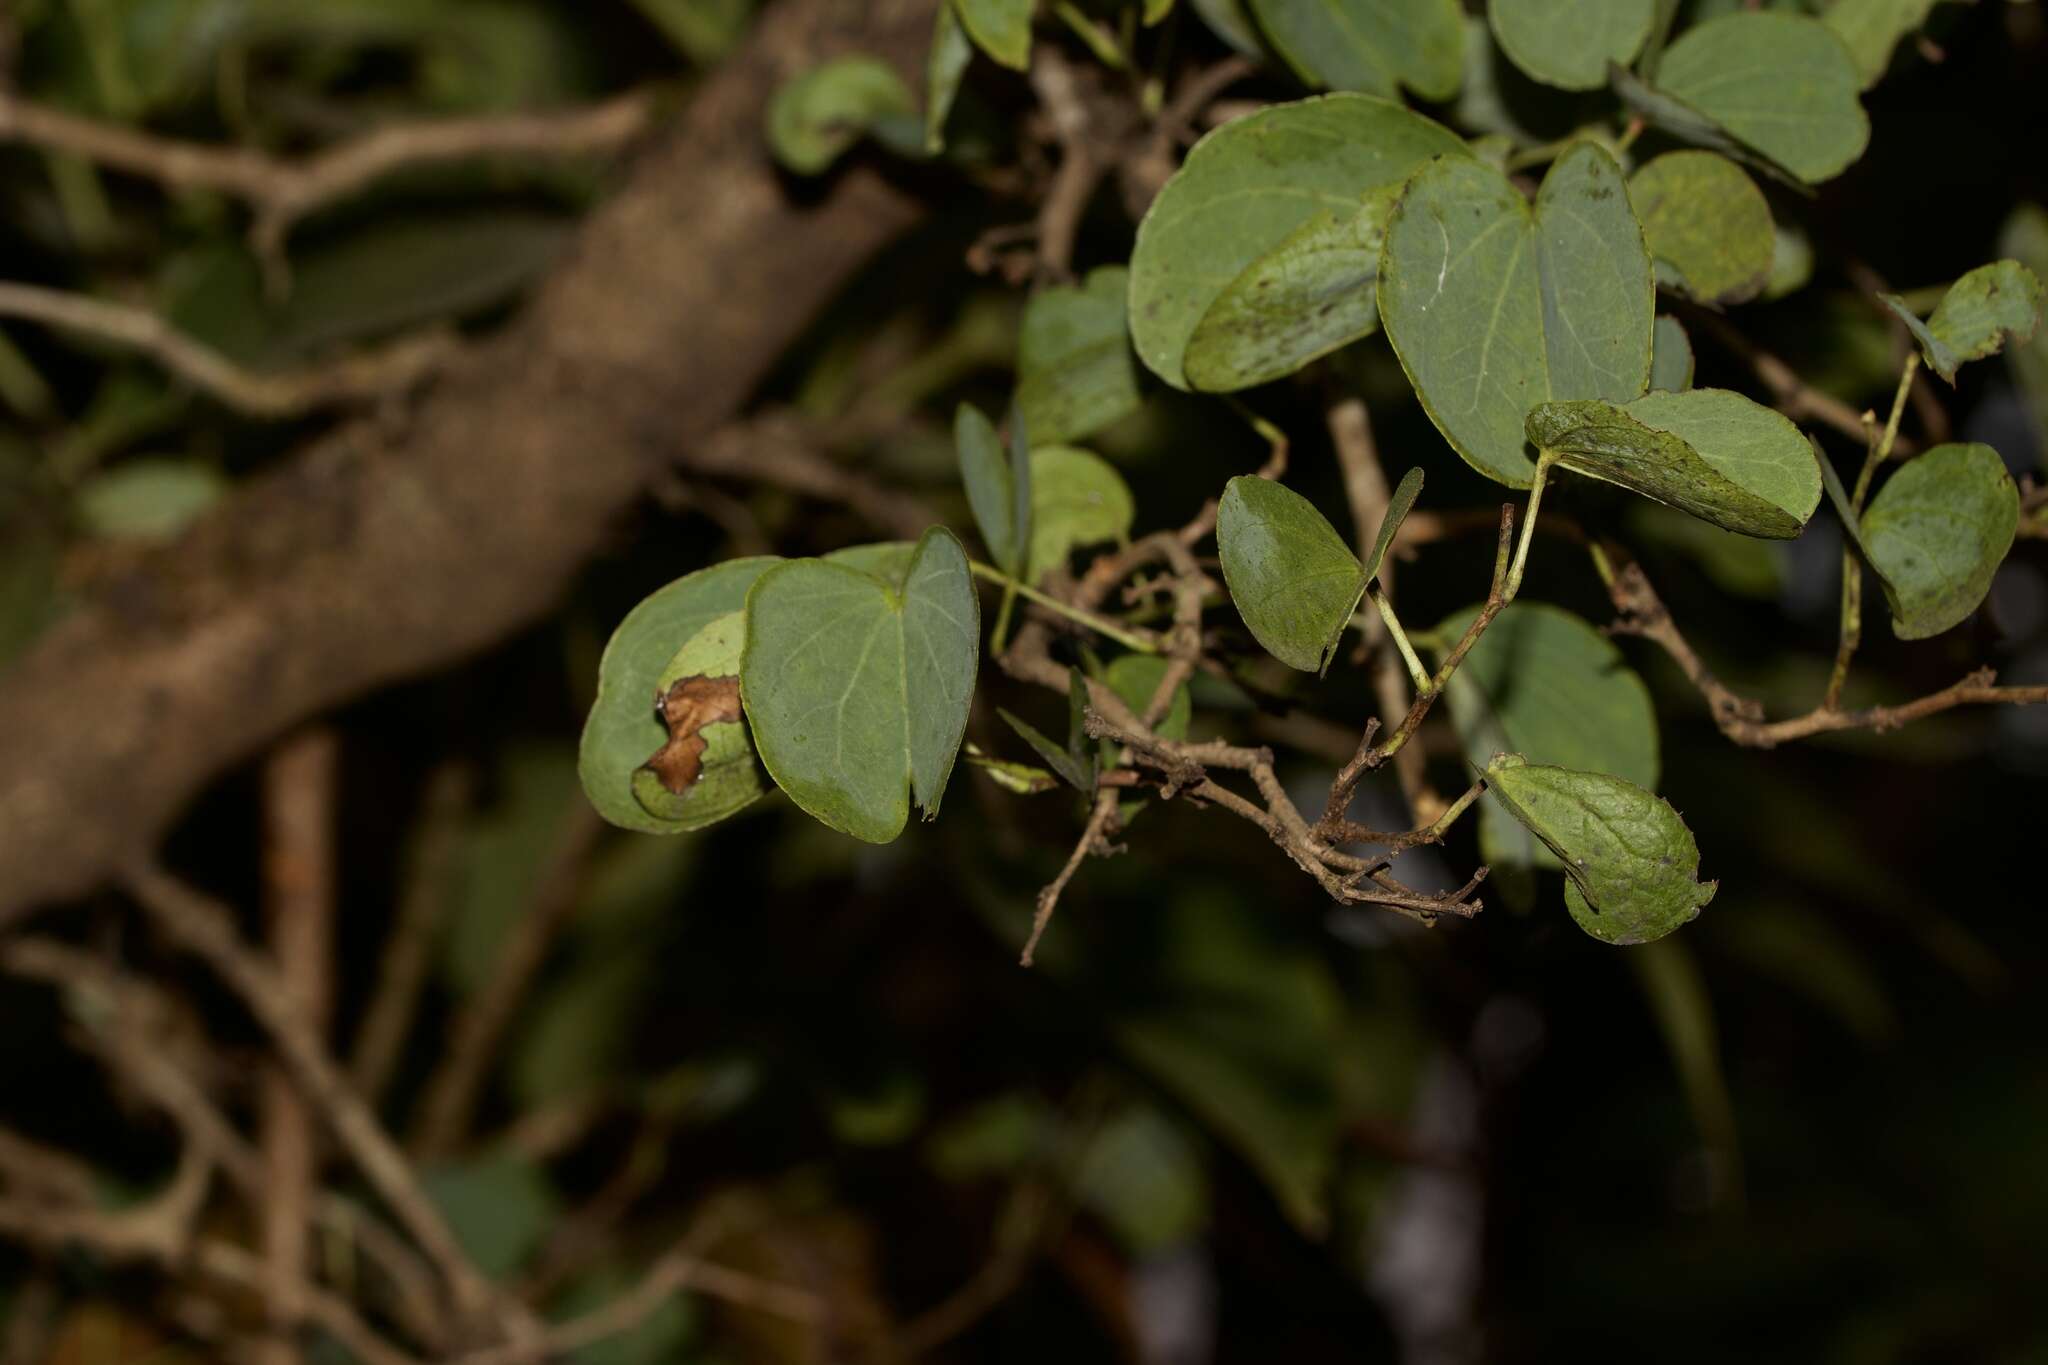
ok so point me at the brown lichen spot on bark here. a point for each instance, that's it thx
(686, 708)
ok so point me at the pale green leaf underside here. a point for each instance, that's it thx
(1075, 370)
(814, 118)
(1710, 452)
(1077, 498)
(1975, 316)
(1937, 532)
(1001, 28)
(1294, 580)
(858, 695)
(1670, 357)
(1494, 307)
(1630, 855)
(1707, 225)
(728, 779)
(1870, 29)
(991, 485)
(1373, 46)
(1568, 43)
(1543, 683)
(1245, 188)
(1780, 83)
(621, 731)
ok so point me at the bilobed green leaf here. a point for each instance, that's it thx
(1976, 316)
(1568, 43)
(888, 560)
(1870, 29)
(815, 117)
(1075, 370)
(1543, 683)
(1246, 188)
(1001, 28)
(1077, 498)
(1398, 507)
(1630, 858)
(992, 492)
(1780, 83)
(858, 693)
(1670, 357)
(944, 66)
(1374, 46)
(722, 776)
(622, 729)
(1936, 533)
(1494, 307)
(1707, 225)
(1303, 299)
(1292, 577)
(1710, 452)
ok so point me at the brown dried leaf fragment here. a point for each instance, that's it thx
(686, 708)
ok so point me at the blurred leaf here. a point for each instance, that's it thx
(1791, 261)
(882, 1117)
(1143, 1176)
(817, 116)
(1670, 356)
(996, 1137)
(1685, 1016)
(944, 67)
(1808, 955)
(702, 30)
(1077, 498)
(29, 556)
(1936, 533)
(1001, 508)
(574, 1035)
(1075, 370)
(1870, 29)
(1231, 21)
(500, 1208)
(502, 852)
(663, 1337)
(1374, 46)
(1291, 576)
(1001, 28)
(148, 499)
(1781, 84)
(2025, 238)
(1734, 563)
(1707, 225)
(1568, 43)
(1976, 316)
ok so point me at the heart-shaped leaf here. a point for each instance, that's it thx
(1075, 370)
(1975, 316)
(998, 488)
(1001, 28)
(1543, 683)
(706, 771)
(1077, 498)
(1707, 225)
(622, 730)
(1292, 577)
(1245, 189)
(1670, 357)
(1629, 856)
(814, 118)
(888, 560)
(1494, 307)
(1568, 43)
(1936, 533)
(1710, 452)
(1374, 46)
(1782, 84)
(858, 692)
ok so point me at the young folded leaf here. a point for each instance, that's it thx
(816, 117)
(858, 692)
(1001, 509)
(1710, 452)
(1292, 577)
(1936, 533)
(1494, 307)
(1629, 856)
(1398, 507)
(1976, 316)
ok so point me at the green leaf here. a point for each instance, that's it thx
(1075, 370)
(1975, 317)
(888, 560)
(1707, 225)
(499, 1207)
(1670, 356)
(1308, 296)
(1543, 683)
(1021, 778)
(1782, 84)
(1568, 43)
(1075, 762)
(1710, 452)
(1156, 11)
(1135, 677)
(816, 117)
(578, 1030)
(1232, 22)
(1001, 28)
(1244, 190)
(992, 491)
(1374, 46)
(1077, 498)
(1936, 533)
(499, 857)
(1143, 1175)
(622, 730)
(662, 1337)
(702, 30)
(718, 776)
(2025, 237)
(944, 66)
(1294, 580)
(858, 693)
(148, 499)
(1398, 507)
(1685, 1016)
(1791, 262)
(1630, 858)
(1494, 307)
(1870, 29)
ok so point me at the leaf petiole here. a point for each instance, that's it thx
(1543, 462)
(1099, 624)
(1416, 671)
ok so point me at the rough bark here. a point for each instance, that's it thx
(391, 548)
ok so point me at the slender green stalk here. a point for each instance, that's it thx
(1000, 637)
(1101, 625)
(1882, 450)
(1543, 463)
(1456, 809)
(1386, 609)
(1852, 569)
